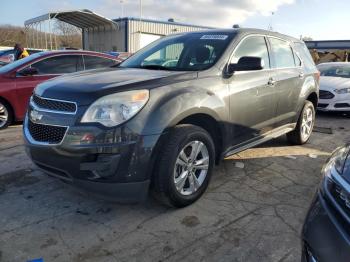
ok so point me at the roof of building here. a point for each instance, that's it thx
(80, 18)
(160, 22)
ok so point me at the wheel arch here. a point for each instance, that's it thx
(209, 124)
(313, 98)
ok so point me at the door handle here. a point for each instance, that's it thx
(301, 75)
(271, 82)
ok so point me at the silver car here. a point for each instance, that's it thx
(334, 87)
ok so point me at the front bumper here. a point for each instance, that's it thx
(115, 164)
(340, 103)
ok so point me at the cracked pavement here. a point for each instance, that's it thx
(252, 211)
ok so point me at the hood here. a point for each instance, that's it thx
(332, 83)
(85, 87)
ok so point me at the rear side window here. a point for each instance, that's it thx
(282, 53)
(94, 62)
(252, 46)
(305, 55)
(57, 65)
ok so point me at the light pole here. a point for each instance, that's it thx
(140, 24)
(122, 7)
(270, 24)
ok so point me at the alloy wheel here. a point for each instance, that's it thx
(4, 115)
(307, 123)
(191, 167)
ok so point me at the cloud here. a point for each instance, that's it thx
(218, 13)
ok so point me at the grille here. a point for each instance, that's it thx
(342, 105)
(46, 133)
(326, 94)
(322, 105)
(54, 104)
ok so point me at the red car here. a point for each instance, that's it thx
(18, 79)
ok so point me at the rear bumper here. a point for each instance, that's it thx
(324, 237)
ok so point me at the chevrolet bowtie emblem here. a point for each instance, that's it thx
(35, 116)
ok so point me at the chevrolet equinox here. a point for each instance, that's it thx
(163, 118)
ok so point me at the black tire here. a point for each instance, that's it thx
(295, 137)
(164, 188)
(5, 108)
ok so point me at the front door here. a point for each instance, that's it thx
(252, 98)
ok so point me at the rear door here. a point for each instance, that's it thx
(288, 77)
(47, 68)
(252, 98)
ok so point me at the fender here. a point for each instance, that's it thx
(310, 86)
(171, 104)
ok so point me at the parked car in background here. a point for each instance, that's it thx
(18, 79)
(326, 231)
(334, 87)
(118, 131)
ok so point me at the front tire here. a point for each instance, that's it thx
(6, 115)
(301, 134)
(184, 166)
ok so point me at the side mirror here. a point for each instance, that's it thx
(246, 63)
(29, 71)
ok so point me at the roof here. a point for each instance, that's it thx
(328, 44)
(246, 31)
(160, 22)
(79, 18)
(48, 53)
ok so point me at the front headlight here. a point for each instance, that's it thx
(342, 91)
(115, 109)
(339, 157)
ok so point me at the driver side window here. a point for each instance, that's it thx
(167, 56)
(57, 65)
(252, 46)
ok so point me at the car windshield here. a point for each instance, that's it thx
(335, 70)
(188, 52)
(18, 63)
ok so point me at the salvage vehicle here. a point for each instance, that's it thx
(18, 79)
(120, 131)
(326, 230)
(334, 87)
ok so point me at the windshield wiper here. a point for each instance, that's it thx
(156, 67)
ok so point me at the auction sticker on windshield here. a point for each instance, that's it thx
(214, 37)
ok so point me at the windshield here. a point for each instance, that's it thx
(189, 52)
(335, 70)
(18, 63)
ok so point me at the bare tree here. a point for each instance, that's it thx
(67, 35)
(10, 35)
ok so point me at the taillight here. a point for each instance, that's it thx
(317, 76)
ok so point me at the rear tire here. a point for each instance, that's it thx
(6, 115)
(184, 166)
(301, 134)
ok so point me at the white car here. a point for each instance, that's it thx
(334, 87)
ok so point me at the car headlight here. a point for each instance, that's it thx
(339, 157)
(342, 91)
(115, 109)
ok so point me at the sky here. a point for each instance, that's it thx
(318, 19)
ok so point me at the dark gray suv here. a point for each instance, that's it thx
(166, 115)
